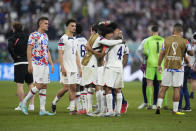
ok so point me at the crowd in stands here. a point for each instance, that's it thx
(133, 16)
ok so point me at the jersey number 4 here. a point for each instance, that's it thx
(119, 53)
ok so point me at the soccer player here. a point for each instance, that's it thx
(184, 90)
(173, 51)
(192, 62)
(117, 34)
(17, 47)
(38, 57)
(152, 48)
(69, 65)
(90, 69)
(81, 43)
(113, 77)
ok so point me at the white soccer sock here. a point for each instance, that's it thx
(83, 97)
(103, 102)
(175, 106)
(42, 97)
(159, 102)
(109, 102)
(77, 100)
(89, 100)
(56, 99)
(98, 97)
(30, 94)
(119, 102)
(72, 105)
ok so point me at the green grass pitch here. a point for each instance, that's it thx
(133, 120)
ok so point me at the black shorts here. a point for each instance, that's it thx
(22, 75)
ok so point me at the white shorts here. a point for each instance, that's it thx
(113, 79)
(89, 75)
(100, 73)
(78, 79)
(70, 78)
(41, 74)
(174, 79)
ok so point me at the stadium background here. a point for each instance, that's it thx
(132, 16)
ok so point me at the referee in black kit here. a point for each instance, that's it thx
(17, 47)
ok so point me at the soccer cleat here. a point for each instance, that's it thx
(23, 108)
(96, 112)
(124, 108)
(83, 111)
(68, 108)
(53, 107)
(188, 109)
(31, 108)
(117, 114)
(79, 112)
(46, 113)
(108, 114)
(191, 95)
(149, 107)
(158, 111)
(178, 113)
(95, 106)
(72, 112)
(100, 114)
(90, 114)
(17, 108)
(154, 107)
(142, 105)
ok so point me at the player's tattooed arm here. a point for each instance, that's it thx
(51, 62)
(111, 42)
(63, 70)
(29, 52)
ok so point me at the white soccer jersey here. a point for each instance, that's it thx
(69, 57)
(114, 57)
(81, 43)
(97, 46)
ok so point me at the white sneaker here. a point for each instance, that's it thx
(17, 108)
(108, 114)
(96, 112)
(90, 114)
(100, 114)
(31, 108)
(154, 107)
(142, 105)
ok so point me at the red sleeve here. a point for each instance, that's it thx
(104, 49)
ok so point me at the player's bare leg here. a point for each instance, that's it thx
(60, 93)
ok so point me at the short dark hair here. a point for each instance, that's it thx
(40, 19)
(17, 26)
(178, 27)
(113, 25)
(70, 21)
(79, 29)
(155, 28)
(106, 30)
(95, 27)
